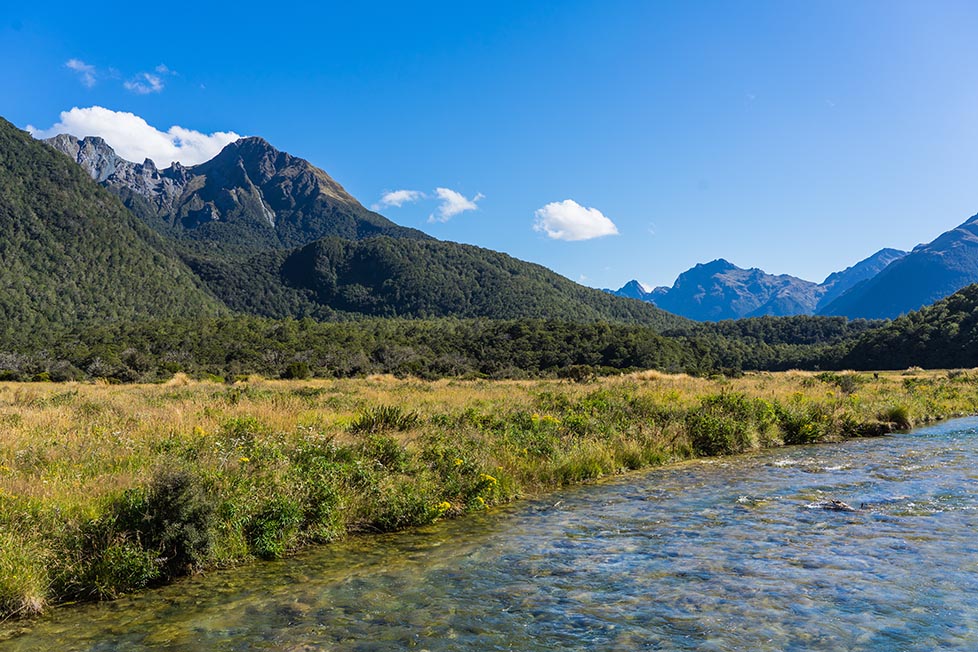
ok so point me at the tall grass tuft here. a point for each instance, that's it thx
(24, 580)
(898, 415)
(384, 417)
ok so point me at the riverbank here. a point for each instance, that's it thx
(108, 489)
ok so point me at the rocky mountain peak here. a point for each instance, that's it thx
(249, 194)
(92, 153)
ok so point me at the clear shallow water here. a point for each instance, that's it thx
(716, 555)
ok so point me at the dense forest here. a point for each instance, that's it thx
(229, 347)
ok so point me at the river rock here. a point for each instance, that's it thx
(832, 506)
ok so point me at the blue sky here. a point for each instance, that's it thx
(798, 137)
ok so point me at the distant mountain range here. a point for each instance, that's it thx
(720, 290)
(928, 273)
(253, 230)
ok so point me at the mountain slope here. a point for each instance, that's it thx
(70, 252)
(838, 283)
(390, 277)
(943, 335)
(928, 273)
(250, 194)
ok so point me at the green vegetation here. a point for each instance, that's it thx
(71, 253)
(107, 489)
(941, 335)
(150, 351)
(234, 346)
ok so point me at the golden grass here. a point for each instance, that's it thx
(68, 450)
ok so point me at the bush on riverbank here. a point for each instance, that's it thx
(110, 489)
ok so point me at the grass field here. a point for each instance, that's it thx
(107, 489)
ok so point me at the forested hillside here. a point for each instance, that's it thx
(70, 252)
(942, 335)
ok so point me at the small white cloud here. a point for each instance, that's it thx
(145, 83)
(453, 203)
(86, 72)
(568, 220)
(398, 198)
(135, 140)
(164, 70)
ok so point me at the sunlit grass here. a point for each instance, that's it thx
(276, 465)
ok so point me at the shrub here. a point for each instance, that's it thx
(122, 567)
(847, 383)
(404, 504)
(104, 557)
(173, 519)
(386, 452)
(713, 434)
(273, 531)
(728, 423)
(800, 424)
(322, 516)
(297, 371)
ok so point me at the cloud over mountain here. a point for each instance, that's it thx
(135, 140)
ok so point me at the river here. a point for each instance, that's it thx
(723, 554)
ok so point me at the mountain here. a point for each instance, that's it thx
(943, 335)
(250, 194)
(634, 290)
(838, 283)
(271, 235)
(720, 290)
(928, 273)
(72, 253)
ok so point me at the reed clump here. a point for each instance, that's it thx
(108, 489)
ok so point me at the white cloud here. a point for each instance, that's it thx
(86, 72)
(145, 83)
(398, 198)
(453, 203)
(568, 220)
(134, 139)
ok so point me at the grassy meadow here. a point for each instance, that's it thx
(107, 489)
